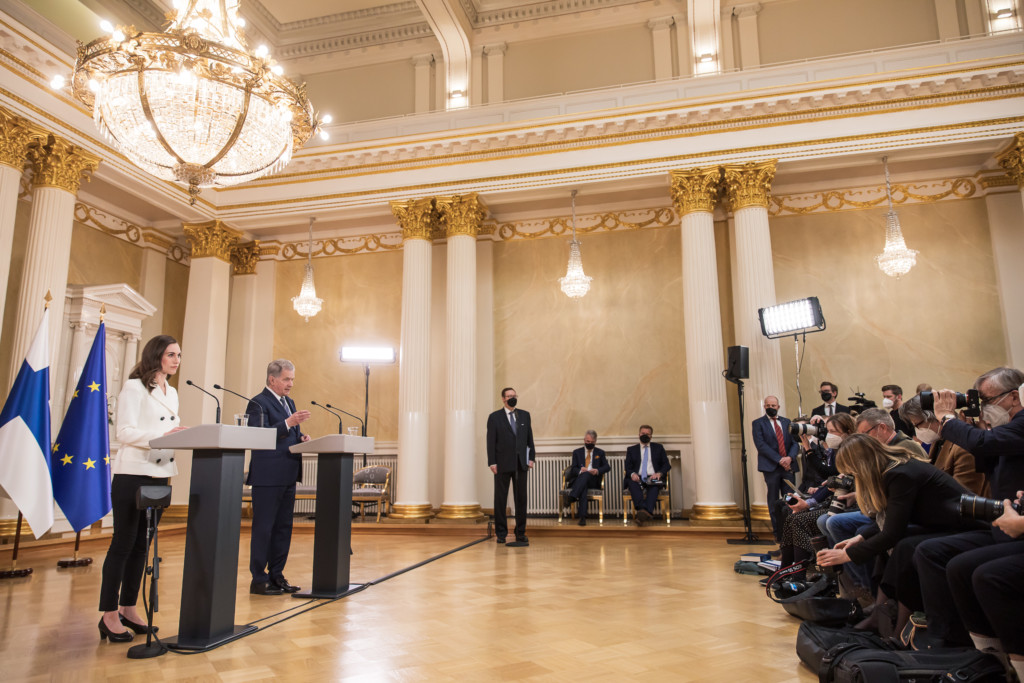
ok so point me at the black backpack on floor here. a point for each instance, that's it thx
(813, 641)
(859, 664)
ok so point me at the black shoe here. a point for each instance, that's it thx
(283, 584)
(645, 516)
(500, 539)
(106, 633)
(264, 588)
(775, 553)
(138, 628)
(764, 581)
(583, 521)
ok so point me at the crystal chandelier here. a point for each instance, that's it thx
(307, 304)
(575, 284)
(192, 104)
(896, 259)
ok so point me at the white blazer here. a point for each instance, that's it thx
(141, 417)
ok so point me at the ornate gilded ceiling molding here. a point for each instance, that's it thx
(58, 163)
(337, 246)
(660, 217)
(749, 184)
(1013, 160)
(418, 218)
(211, 238)
(129, 232)
(872, 197)
(695, 189)
(16, 134)
(244, 257)
(461, 214)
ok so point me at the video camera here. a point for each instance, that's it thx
(858, 404)
(969, 402)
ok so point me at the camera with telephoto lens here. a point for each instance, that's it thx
(817, 430)
(969, 402)
(839, 484)
(819, 543)
(984, 509)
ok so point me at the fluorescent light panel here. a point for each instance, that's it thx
(367, 354)
(791, 318)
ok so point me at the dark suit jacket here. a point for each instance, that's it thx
(635, 458)
(508, 450)
(840, 408)
(598, 461)
(767, 444)
(278, 467)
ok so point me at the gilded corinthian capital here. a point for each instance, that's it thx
(1012, 160)
(16, 134)
(461, 214)
(58, 163)
(695, 189)
(211, 238)
(749, 184)
(244, 257)
(418, 218)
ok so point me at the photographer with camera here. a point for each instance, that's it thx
(878, 423)
(944, 454)
(817, 460)
(947, 565)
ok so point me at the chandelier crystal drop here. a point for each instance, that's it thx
(307, 304)
(576, 283)
(192, 104)
(896, 259)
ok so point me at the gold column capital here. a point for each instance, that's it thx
(461, 214)
(16, 134)
(749, 184)
(418, 218)
(1012, 160)
(211, 238)
(59, 163)
(695, 189)
(244, 257)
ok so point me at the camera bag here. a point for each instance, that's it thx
(852, 663)
(811, 604)
(813, 641)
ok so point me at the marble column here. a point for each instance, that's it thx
(76, 361)
(58, 168)
(748, 188)
(421, 65)
(661, 41)
(153, 278)
(495, 72)
(244, 366)
(461, 217)
(1007, 230)
(130, 358)
(746, 20)
(694, 193)
(16, 134)
(417, 219)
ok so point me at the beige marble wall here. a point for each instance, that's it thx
(362, 306)
(18, 246)
(101, 259)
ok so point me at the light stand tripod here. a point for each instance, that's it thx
(749, 537)
(151, 499)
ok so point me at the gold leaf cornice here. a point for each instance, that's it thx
(211, 238)
(871, 197)
(418, 218)
(16, 134)
(749, 184)
(244, 257)
(660, 217)
(58, 163)
(129, 232)
(695, 189)
(461, 214)
(1013, 160)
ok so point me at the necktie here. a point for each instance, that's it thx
(284, 404)
(512, 422)
(586, 465)
(643, 464)
(828, 411)
(782, 441)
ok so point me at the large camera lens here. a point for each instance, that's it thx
(928, 401)
(977, 507)
(816, 430)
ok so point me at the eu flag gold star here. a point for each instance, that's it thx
(56, 447)
(94, 386)
(67, 459)
(76, 394)
(107, 459)
(90, 464)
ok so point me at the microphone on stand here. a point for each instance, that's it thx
(263, 414)
(350, 415)
(193, 384)
(332, 413)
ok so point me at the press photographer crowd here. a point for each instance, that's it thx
(902, 546)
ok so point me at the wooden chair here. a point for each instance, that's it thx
(372, 486)
(662, 506)
(592, 494)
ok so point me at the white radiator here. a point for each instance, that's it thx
(545, 481)
(308, 507)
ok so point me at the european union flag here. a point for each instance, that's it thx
(80, 459)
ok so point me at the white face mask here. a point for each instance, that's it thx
(833, 440)
(996, 416)
(887, 403)
(926, 435)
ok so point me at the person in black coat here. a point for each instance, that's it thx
(646, 468)
(510, 455)
(586, 471)
(830, 406)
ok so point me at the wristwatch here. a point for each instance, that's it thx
(946, 418)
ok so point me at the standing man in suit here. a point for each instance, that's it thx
(510, 455)
(272, 475)
(829, 407)
(646, 468)
(776, 456)
(586, 472)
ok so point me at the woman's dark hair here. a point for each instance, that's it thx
(152, 360)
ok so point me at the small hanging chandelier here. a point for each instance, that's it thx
(307, 304)
(896, 259)
(575, 284)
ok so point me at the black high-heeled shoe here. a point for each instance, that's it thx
(138, 628)
(106, 633)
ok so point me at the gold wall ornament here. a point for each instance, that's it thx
(58, 163)
(869, 198)
(16, 134)
(1013, 160)
(659, 217)
(749, 184)
(461, 214)
(695, 189)
(418, 218)
(244, 257)
(211, 238)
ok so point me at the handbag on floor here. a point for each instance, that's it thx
(859, 664)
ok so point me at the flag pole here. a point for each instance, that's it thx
(14, 572)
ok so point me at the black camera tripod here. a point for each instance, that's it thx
(749, 537)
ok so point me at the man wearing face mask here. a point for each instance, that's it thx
(829, 395)
(588, 467)
(945, 455)
(646, 467)
(892, 399)
(776, 456)
(510, 455)
(877, 423)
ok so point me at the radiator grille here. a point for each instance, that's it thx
(544, 484)
(308, 507)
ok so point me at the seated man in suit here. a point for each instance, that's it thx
(776, 456)
(829, 394)
(586, 472)
(646, 468)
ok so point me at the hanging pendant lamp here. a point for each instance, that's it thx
(575, 284)
(307, 304)
(896, 259)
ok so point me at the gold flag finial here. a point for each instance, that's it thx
(103, 311)
(47, 299)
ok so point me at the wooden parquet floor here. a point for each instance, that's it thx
(584, 609)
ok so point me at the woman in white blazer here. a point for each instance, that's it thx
(147, 408)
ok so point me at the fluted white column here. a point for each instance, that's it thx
(694, 193)
(244, 366)
(76, 361)
(412, 498)
(748, 188)
(15, 137)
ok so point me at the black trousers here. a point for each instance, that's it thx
(578, 490)
(998, 597)
(501, 481)
(126, 556)
(773, 480)
(273, 508)
(644, 496)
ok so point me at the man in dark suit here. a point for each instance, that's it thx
(829, 394)
(776, 456)
(646, 468)
(586, 472)
(510, 455)
(272, 475)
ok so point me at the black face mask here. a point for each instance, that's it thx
(771, 412)
(645, 438)
(589, 446)
(512, 402)
(826, 396)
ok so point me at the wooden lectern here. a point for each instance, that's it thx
(207, 617)
(332, 536)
